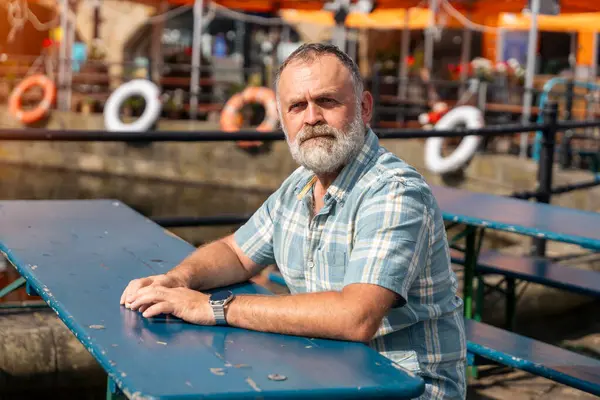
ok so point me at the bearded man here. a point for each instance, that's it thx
(355, 232)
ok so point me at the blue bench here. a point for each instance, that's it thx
(532, 269)
(513, 350)
(520, 352)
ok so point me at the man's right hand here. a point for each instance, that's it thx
(164, 280)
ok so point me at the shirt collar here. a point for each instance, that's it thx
(349, 175)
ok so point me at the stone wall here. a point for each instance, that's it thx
(225, 164)
(153, 198)
(39, 355)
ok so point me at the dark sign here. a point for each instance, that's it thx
(340, 15)
(547, 7)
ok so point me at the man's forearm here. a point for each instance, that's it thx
(324, 314)
(211, 266)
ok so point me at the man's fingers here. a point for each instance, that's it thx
(134, 286)
(126, 292)
(160, 308)
(148, 295)
(144, 307)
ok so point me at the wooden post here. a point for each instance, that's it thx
(530, 73)
(465, 56)
(196, 60)
(156, 54)
(429, 31)
(62, 54)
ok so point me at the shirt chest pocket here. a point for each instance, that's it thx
(329, 268)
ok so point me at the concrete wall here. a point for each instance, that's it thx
(39, 355)
(152, 198)
(224, 163)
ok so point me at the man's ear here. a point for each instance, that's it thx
(366, 107)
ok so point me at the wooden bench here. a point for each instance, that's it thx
(517, 351)
(520, 352)
(532, 269)
(536, 270)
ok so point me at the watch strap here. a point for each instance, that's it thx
(219, 313)
(218, 307)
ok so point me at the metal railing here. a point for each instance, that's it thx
(543, 192)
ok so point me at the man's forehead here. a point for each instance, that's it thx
(319, 72)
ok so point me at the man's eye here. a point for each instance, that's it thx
(326, 101)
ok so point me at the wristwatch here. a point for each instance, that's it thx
(218, 301)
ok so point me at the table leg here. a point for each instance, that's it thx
(478, 315)
(113, 392)
(470, 264)
(480, 281)
(12, 287)
(511, 304)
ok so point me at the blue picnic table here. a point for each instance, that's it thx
(528, 218)
(479, 211)
(488, 211)
(79, 256)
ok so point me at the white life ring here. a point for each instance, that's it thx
(473, 119)
(145, 88)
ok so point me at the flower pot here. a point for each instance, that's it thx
(86, 108)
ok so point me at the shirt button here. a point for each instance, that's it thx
(310, 264)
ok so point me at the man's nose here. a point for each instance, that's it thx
(313, 115)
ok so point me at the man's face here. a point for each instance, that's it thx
(323, 120)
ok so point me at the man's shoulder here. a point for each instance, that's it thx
(389, 169)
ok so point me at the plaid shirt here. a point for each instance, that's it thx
(380, 225)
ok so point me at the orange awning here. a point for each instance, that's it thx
(384, 19)
(588, 22)
(475, 6)
(256, 5)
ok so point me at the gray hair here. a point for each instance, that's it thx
(311, 51)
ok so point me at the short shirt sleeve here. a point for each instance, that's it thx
(255, 237)
(392, 240)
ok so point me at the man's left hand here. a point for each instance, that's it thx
(187, 304)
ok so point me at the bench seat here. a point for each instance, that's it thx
(517, 351)
(520, 352)
(536, 270)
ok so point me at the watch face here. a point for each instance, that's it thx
(221, 296)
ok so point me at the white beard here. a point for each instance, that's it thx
(324, 155)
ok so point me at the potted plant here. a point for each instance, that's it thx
(483, 69)
(137, 105)
(127, 108)
(87, 105)
(172, 109)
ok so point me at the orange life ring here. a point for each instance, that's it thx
(42, 109)
(231, 117)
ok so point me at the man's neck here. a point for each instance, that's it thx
(321, 185)
(324, 181)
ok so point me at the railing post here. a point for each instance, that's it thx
(546, 163)
(565, 155)
(569, 100)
